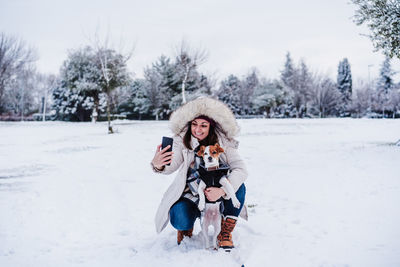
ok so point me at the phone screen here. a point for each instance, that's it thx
(165, 142)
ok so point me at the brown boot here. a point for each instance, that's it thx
(183, 233)
(225, 236)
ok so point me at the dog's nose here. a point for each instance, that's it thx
(210, 158)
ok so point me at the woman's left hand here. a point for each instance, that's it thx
(214, 193)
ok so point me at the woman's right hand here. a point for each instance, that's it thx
(161, 158)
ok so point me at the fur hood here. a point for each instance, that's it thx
(209, 107)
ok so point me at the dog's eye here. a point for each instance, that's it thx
(214, 152)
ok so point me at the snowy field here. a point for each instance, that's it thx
(320, 193)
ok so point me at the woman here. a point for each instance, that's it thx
(204, 121)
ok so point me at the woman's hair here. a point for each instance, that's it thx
(211, 139)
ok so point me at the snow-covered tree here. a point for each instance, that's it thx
(45, 84)
(88, 81)
(361, 99)
(19, 94)
(382, 17)
(384, 85)
(77, 96)
(16, 61)
(297, 84)
(133, 101)
(114, 74)
(344, 80)
(187, 62)
(288, 74)
(325, 98)
(268, 95)
(249, 85)
(229, 92)
(394, 102)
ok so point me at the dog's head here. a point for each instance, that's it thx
(210, 155)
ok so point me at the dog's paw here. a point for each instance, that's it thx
(236, 203)
(201, 207)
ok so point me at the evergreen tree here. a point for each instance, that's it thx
(344, 80)
(384, 86)
(77, 96)
(268, 95)
(288, 75)
(249, 85)
(86, 83)
(229, 92)
(296, 83)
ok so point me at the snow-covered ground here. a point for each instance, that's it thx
(320, 193)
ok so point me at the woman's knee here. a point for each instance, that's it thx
(241, 194)
(183, 215)
(229, 209)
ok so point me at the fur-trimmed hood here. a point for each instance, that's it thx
(209, 107)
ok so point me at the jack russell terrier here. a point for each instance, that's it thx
(213, 175)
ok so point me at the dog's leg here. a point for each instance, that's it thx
(204, 227)
(202, 200)
(229, 191)
(216, 221)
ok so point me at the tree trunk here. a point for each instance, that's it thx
(95, 109)
(184, 85)
(110, 129)
(44, 107)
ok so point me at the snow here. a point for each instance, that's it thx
(320, 193)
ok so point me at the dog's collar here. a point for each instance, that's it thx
(212, 168)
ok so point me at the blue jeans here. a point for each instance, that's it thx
(184, 212)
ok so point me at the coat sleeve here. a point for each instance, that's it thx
(177, 158)
(238, 172)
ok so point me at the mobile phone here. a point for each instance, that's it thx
(165, 142)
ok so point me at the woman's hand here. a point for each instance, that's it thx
(161, 158)
(214, 193)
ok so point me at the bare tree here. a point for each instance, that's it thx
(15, 56)
(361, 99)
(113, 68)
(188, 59)
(45, 84)
(326, 97)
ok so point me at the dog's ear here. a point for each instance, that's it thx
(219, 149)
(200, 153)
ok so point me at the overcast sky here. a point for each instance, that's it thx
(238, 35)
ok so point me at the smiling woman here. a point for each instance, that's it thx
(204, 121)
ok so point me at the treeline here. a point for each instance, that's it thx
(95, 81)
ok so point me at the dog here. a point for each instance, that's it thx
(213, 175)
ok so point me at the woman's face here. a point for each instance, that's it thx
(200, 128)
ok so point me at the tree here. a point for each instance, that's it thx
(249, 85)
(45, 84)
(394, 101)
(325, 98)
(16, 59)
(87, 79)
(19, 93)
(296, 83)
(78, 94)
(382, 17)
(229, 92)
(288, 73)
(268, 95)
(114, 73)
(157, 93)
(344, 79)
(384, 85)
(360, 103)
(187, 61)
